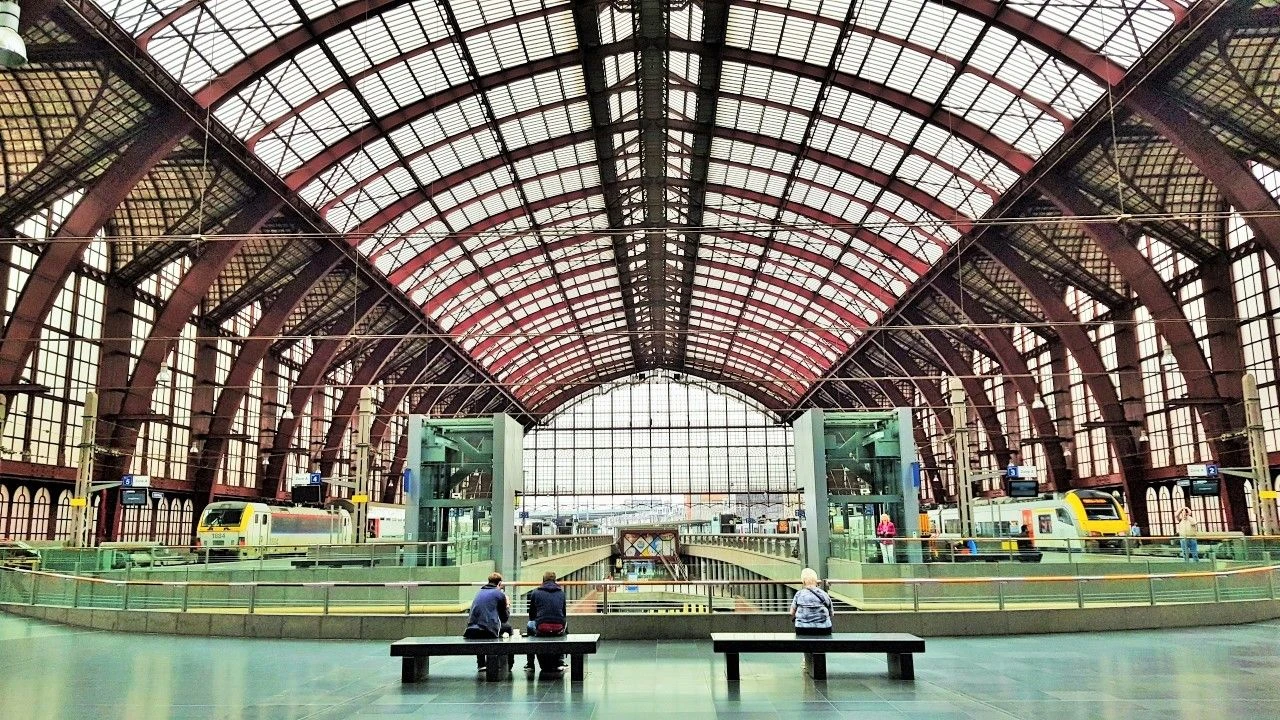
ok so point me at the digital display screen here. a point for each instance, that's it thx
(307, 494)
(133, 497)
(1204, 487)
(1020, 488)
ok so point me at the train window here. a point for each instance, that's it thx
(224, 516)
(1065, 517)
(1101, 511)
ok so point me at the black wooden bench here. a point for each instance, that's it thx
(416, 652)
(897, 646)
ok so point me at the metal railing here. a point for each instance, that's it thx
(33, 587)
(951, 549)
(779, 546)
(537, 547)
(129, 557)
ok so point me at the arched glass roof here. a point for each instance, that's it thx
(578, 190)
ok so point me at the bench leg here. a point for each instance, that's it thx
(902, 666)
(413, 669)
(495, 667)
(816, 665)
(577, 668)
(731, 667)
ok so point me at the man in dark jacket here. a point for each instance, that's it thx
(490, 611)
(547, 616)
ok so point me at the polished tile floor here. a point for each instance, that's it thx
(1229, 673)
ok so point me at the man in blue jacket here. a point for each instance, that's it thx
(547, 617)
(490, 611)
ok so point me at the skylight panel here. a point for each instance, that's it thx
(615, 24)
(405, 83)
(135, 16)
(684, 66)
(1115, 31)
(281, 89)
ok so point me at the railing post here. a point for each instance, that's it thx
(124, 605)
(35, 580)
(604, 605)
(408, 589)
(253, 597)
(915, 596)
(710, 608)
(1217, 589)
(186, 595)
(1080, 593)
(1000, 594)
(75, 592)
(1151, 588)
(326, 599)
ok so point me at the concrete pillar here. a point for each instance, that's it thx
(811, 477)
(508, 476)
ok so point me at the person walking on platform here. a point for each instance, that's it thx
(886, 531)
(548, 616)
(1188, 528)
(487, 620)
(811, 607)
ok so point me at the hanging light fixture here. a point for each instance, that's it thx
(13, 52)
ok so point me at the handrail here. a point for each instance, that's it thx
(630, 583)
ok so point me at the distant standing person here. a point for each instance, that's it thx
(886, 531)
(490, 611)
(548, 617)
(811, 607)
(1188, 528)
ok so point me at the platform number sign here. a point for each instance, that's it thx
(1205, 470)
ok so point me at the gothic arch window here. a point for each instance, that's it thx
(20, 514)
(41, 508)
(4, 511)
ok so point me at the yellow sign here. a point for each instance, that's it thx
(358, 499)
(79, 502)
(1268, 494)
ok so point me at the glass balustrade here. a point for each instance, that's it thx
(36, 587)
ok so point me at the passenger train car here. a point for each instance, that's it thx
(1064, 521)
(385, 522)
(247, 529)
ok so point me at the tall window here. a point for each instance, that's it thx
(660, 445)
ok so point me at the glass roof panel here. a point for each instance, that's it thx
(206, 39)
(826, 197)
(1121, 31)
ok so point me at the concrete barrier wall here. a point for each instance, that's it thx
(563, 565)
(664, 627)
(769, 567)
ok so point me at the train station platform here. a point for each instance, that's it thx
(50, 671)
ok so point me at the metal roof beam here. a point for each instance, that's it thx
(63, 250)
(586, 22)
(1016, 370)
(715, 14)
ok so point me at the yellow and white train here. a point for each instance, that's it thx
(248, 529)
(1064, 521)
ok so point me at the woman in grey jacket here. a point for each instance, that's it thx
(811, 607)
